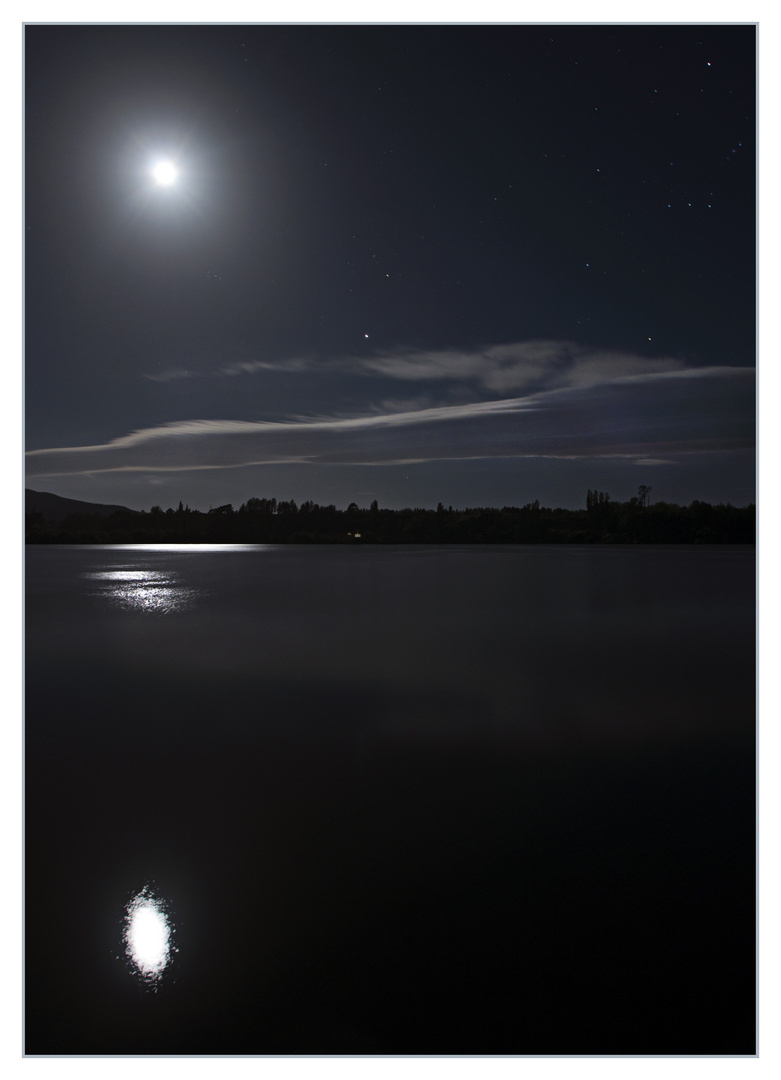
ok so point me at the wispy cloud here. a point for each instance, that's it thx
(248, 367)
(173, 375)
(606, 408)
(529, 366)
(291, 365)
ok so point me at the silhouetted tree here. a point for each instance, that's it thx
(267, 521)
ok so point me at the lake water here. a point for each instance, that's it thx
(390, 800)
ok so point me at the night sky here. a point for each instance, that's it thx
(479, 265)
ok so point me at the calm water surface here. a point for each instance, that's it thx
(391, 800)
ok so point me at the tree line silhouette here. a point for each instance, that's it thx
(267, 521)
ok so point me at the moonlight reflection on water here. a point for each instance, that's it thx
(153, 591)
(147, 936)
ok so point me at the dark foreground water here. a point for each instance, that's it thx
(390, 800)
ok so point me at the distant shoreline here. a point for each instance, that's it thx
(50, 520)
(401, 543)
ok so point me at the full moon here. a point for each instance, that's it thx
(165, 173)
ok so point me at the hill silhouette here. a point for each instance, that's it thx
(55, 509)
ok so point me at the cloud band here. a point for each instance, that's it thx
(649, 415)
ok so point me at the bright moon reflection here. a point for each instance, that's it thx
(147, 936)
(165, 173)
(151, 591)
